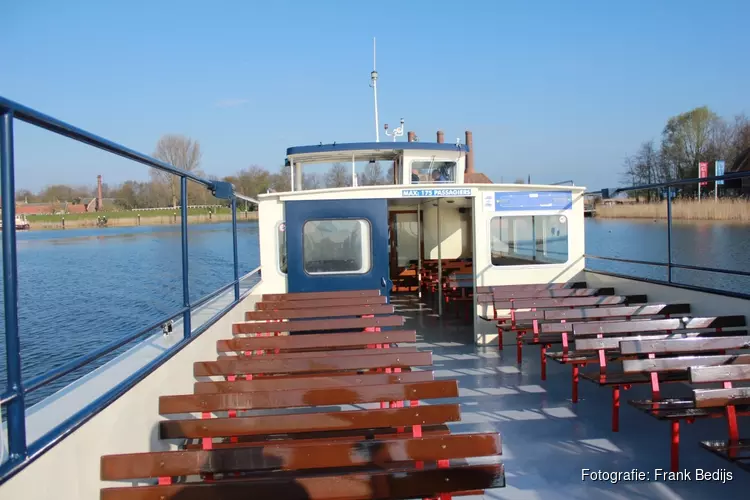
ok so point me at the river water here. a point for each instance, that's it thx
(80, 289)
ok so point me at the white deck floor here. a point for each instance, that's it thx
(548, 441)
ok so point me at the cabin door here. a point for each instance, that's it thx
(337, 245)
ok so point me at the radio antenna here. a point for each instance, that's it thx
(374, 85)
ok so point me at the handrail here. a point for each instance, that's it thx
(21, 452)
(677, 182)
(605, 193)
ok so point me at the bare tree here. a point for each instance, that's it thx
(338, 176)
(372, 175)
(311, 181)
(180, 152)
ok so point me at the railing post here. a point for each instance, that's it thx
(234, 248)
(186, 328)
(669, 234)
(16, 407)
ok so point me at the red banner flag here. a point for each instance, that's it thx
(703, 171)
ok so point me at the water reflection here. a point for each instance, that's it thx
(81, 288)
(719, 245)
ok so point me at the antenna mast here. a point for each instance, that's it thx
(374, 85)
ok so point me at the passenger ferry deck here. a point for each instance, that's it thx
(548, 441)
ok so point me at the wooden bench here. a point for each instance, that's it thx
(552, 327)
(536, 307)
(316, 303)
(397, 451)
(285, 297)
(731, 401)
(604, 348)
(531, 286)
(675, 358)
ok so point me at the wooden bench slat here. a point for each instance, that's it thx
(318, 324)
(285, 384)
(327, 312)
(709, 398)
(501, 295)
(610, 343)
(291, 455)
(312, 341)
(704, 374)
(666, 346)
(309, 304)
(376, 484)
(605, 327)
(331, 353)
(191, 403)
(248, 366)
(309, 422)
(571, 302)
(682, 363)
(274, 297)
(348, 436)
(533, 286)
(604, 312)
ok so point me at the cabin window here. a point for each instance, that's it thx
(337, 246)
(281, 245)
(528, 240)
(433, 172)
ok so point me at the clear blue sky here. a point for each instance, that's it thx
(559, 90)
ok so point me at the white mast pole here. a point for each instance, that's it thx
(374, 85)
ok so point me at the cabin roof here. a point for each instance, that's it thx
(387, 147)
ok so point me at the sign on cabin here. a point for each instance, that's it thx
(502, 201)
(434, 193)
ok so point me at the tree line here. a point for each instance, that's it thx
(698, 135)
(163, 189)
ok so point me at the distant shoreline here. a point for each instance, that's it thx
(707, 210)
(143, 220)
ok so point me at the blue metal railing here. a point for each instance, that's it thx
(670, 264)
(13, 399)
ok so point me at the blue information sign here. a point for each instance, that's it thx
(434, 193)
(539, 200)
(720, 171)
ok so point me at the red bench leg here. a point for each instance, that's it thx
(675, 446)
(544, 361)
(575, 383)
(616, 408)
(519, 346)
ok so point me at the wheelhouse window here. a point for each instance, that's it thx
(281, 246)
(337, 246)
(529, 240)
(433, 172)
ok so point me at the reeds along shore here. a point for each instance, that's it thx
(707, 209)
(144, 221)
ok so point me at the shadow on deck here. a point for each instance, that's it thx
(547, 440)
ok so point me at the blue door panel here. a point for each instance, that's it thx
(374, 211)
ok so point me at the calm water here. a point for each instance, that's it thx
(709, 244)
(82, 288)
(79, 289)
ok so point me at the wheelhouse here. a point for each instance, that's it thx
(471, 234)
